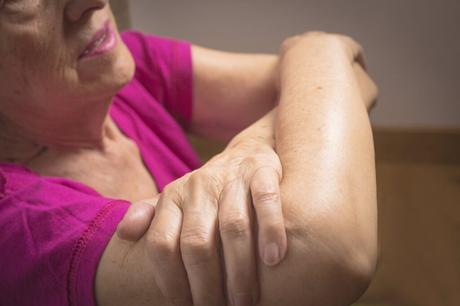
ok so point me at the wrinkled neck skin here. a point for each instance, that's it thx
(52, 98)
(26, 138)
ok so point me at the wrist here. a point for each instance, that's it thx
(250, 141)
(319, 43)
(262, 132)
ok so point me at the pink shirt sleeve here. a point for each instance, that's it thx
(53, 231)
(53, 234)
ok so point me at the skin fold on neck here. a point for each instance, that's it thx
(21, 145)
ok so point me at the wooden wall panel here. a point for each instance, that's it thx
(418, 183)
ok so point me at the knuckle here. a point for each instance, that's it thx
(331, 38)
(264, 158)
(160, 247)
(195, 178)
(168, 188)
(275, 227)
(269, 161)
(249, 163)
(289, 43)
(171, 192)
(260, 149)
(206, 178)
(265, 195)
(196, 246)
(353, 41)
(315, 33)
(350, 42)
(236, 227)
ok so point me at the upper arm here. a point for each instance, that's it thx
(316, 271)
(319, 268)
(231, 90)
(125, 276)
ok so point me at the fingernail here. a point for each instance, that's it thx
(271, 254)
(243, 300)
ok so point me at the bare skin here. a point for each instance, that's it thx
(54, 104)
(46, 123)
(331, 238)
(117, 170)
(54, 119)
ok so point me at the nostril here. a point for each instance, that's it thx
(91, 9)
(77, 10)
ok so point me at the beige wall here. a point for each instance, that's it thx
(412, 46)
(121, 11)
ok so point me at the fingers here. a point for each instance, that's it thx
(355, 50)
(199, 246)
(267, 204)
(163, 247)
(238, 244)
(369, 90)
(137, 219)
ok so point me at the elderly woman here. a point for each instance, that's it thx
(92, 121)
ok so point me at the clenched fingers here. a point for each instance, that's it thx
(198, 244)
(235, 224)
(163, 247)
(266, 199)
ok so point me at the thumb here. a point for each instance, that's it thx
(137, 219)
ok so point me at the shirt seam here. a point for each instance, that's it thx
(80, 248)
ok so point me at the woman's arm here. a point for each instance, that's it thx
(330, 253)
(231, 91)
(324, 141)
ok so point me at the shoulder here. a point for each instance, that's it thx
(164, 72)
(145, 46)
(55, 232)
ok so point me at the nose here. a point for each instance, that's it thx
(77, 9)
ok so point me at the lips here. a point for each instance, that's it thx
(103, 41)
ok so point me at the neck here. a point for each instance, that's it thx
(21, 143)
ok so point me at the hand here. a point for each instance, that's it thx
(352, 49)
(339, 44)
(211, 202)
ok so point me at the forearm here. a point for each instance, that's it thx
(264, 128)
(329, 226)
(324, 141)
(231, 90)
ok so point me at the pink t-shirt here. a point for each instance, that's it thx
(53, 231)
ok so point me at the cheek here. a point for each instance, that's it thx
(45, 62)
(31, 68)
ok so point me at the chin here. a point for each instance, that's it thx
(123, 68)
(107, 74)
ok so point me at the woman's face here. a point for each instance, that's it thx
(59, 56)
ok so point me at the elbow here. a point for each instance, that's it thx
(356, 254)
(359, 270)
(335, 252)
